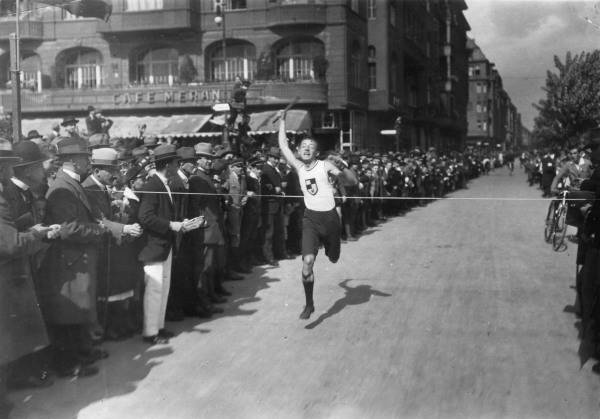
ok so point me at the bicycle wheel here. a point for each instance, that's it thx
(560, 228)
(549, 227)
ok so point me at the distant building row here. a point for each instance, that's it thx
(493, 118)
(355, 64)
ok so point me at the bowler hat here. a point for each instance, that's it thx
(90, 108)
(105, 157)
(71, 146)
(29, 153)
(165, 152)
(204, 150)
(33, 134)
(186, 153)
(7, 155)
(69, 120)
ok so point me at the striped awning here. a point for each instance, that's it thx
(296, 121)
(185, 126)
(129, 126)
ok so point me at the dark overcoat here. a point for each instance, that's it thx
(68, 278)
(210, 207)
(22, 328)
(114, 246)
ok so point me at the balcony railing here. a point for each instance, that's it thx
(296, 14)
(28, 29)
(148, 20)
(160, 97)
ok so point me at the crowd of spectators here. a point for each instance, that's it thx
(574, 169)
(105, 239)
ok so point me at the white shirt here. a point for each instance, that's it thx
(72, 174)
(19, 184)
(97, 182)
(316, 188)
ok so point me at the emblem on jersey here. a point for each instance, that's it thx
(311, 186)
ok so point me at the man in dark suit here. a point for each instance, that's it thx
(209, 242)
(25, 193)
(21, 324)
(158, 217)
(183, 299)
(272, 215)
(68, 291)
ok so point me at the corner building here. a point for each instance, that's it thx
(356, 65)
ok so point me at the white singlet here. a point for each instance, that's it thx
(318, 192)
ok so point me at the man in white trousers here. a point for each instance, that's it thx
(158, 217)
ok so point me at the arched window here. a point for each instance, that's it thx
(83, 69)
(31, 67)
(239, 60)
(157, 66)
(372, 67)
(295, 59)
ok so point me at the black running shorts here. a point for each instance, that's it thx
(321, 228)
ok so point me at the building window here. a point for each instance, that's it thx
(372, 9)
(477, 71)
(372, 67)
(83, 69)
(31, 75)
(354, 6)
(137, 5)
(355, 61)
(479, 107)
(392, 15)
(484, 125)
(238, 4)
(372, 76)
(157, 66)
(470, 71)
(294, 59)
(240, 60)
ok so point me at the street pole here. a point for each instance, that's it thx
(220, 20)
(15, 58)
(224, 47)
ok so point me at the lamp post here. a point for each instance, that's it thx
(220, 21)
(15, 58)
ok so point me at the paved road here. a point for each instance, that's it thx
(455, 310)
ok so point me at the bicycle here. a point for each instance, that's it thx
(559, 221)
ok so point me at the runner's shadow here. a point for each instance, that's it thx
(354, 296)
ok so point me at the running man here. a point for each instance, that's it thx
(321, 223)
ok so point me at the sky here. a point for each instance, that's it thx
(522, 37)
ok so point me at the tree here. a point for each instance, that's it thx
(572, 103)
